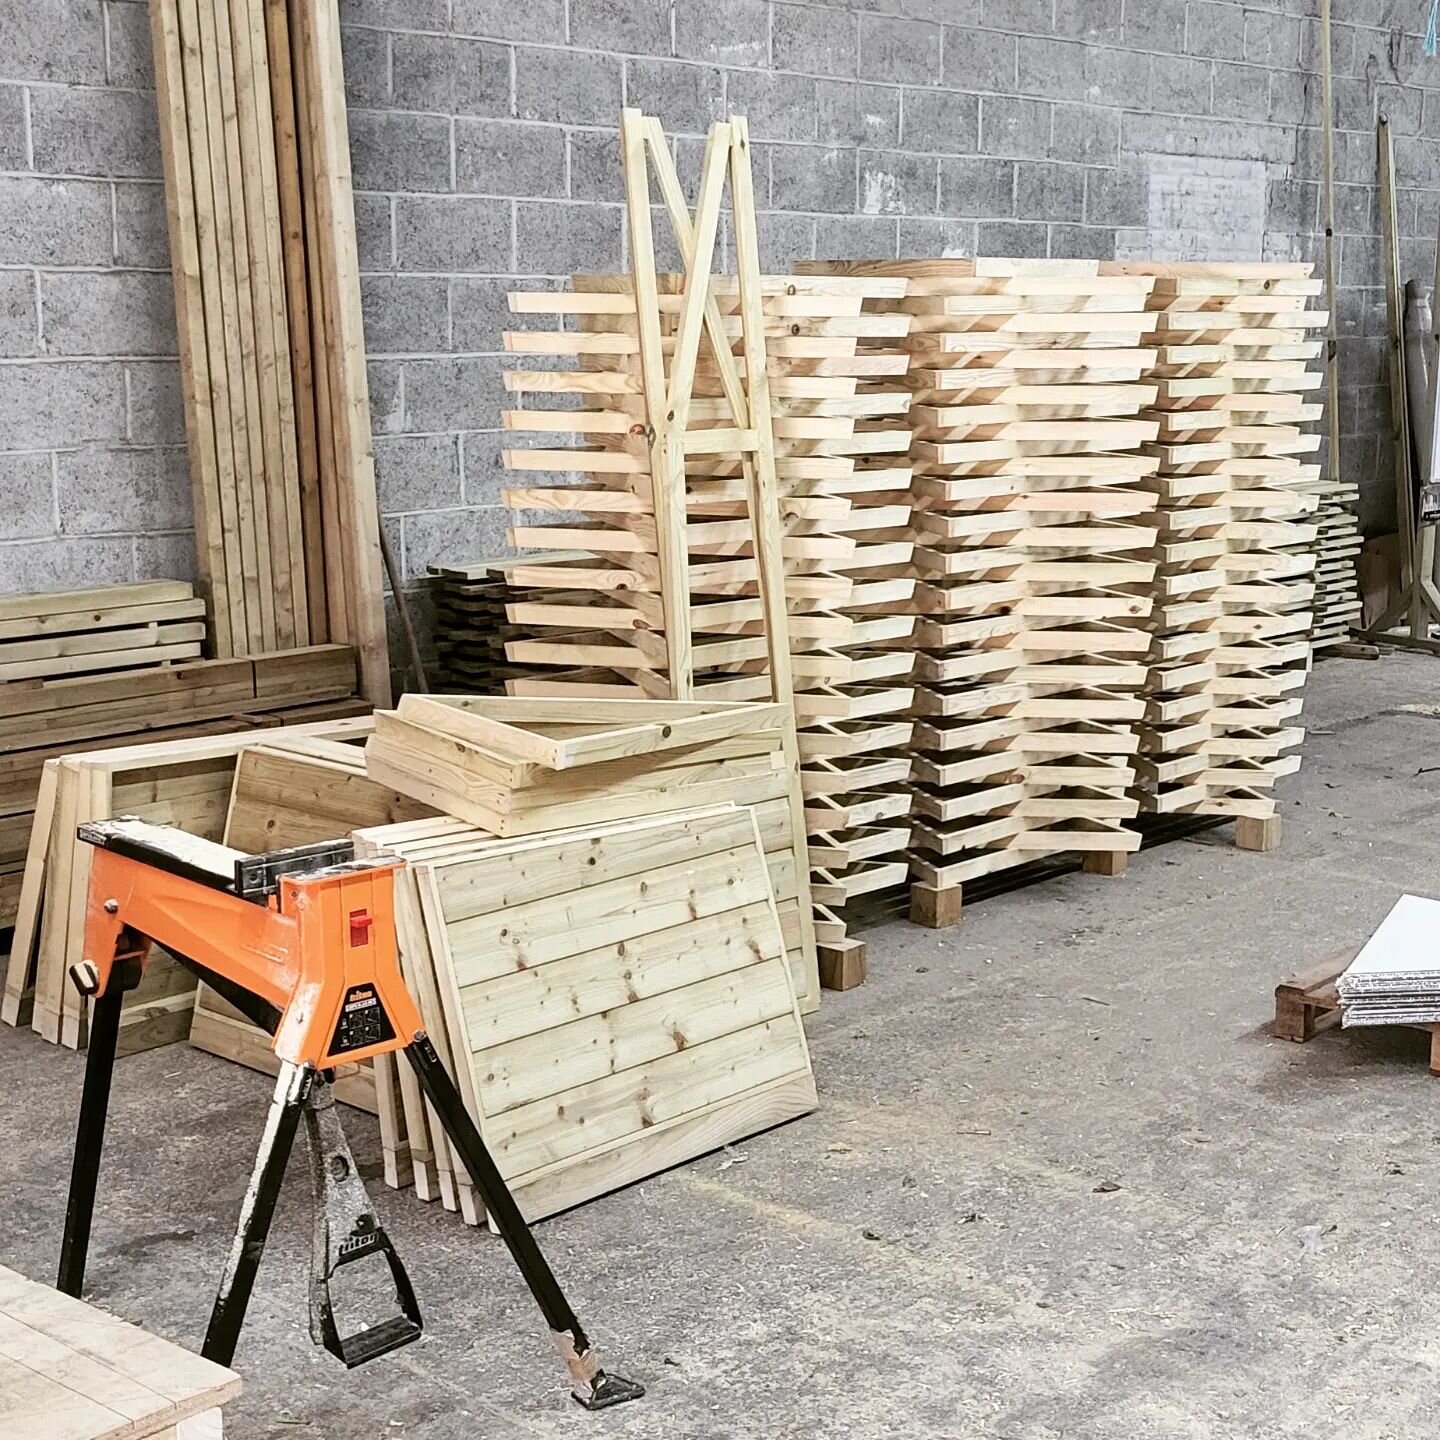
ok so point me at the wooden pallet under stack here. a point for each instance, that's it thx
(1237, 544)
(1032, 536)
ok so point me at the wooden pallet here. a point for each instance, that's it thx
(1307, 1004)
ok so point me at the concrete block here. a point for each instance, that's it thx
(68, 564)
(386, 382)
(898, 182)
(1088, 133)
(979, 60)
(507, 157)
(14, 147)
(166, 557)
(595, 171)
(1064, 70)
(944, 122)
(19, 318)
(1272, 39)
(858, 114)
(1294, 98)
(437, 391)
(480, 313)
(1048, 191)
(542, 20)
(812, 177)
(1155, 25)
(450, 75)
(1096, 21)
(27, 498)
(452, 537)
(1115, 197)
(817, 42)
(944, 238)
(565, 239)
(689, 97)
(1224, 139)
(1356, 210)
(580, 89)
(406, 314)
(129, 54)
(1402, 105)
(375, 231)
(1354, 105)
(444, 235)
(1179, 85)
(1081, 242)
(395, 152)
(637, 27)
(483, 471)
(779, 107)
(112, 492)
(156, 412)
(1011, 239)
(734, 34)
(142, 237)
(1361, 264)
(61, 40)
(367, 67)
(977, 186)
(855, 237)
(784, 239)
(115, 313)
(1215, 30)
(1241, 92)
(94, 132)
(904, 51)
(417, 472)
(54, 222)
(401, 14)
(1012, 127)
(1026, 17)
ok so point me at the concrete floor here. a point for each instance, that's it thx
(928, 1255)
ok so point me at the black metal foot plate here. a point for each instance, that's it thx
(608, 1390)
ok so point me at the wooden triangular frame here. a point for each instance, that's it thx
(667, 400)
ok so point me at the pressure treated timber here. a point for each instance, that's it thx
(1242, 537)
(1031, 525)
(604, 1027)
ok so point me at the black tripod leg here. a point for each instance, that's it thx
(90, 1132)
(593, 1388)
(292, 1089)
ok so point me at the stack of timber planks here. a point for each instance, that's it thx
(182, 782)
(262, 239)
(95, 668)
(1033, 530)
(1238, 533)
(612, 999)
(514, 766)
(472, 626)
(840, 402)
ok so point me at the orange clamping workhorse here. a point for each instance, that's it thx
(322, 951)
(303, 941)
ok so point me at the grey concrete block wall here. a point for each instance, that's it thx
(485, 154)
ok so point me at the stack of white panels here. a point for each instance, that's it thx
(1395, 979)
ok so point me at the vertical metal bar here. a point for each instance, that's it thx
(593, 1387)
(292, 1089)
(1332, 332)
(90, 1131)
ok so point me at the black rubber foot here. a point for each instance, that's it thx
(608, 1390)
